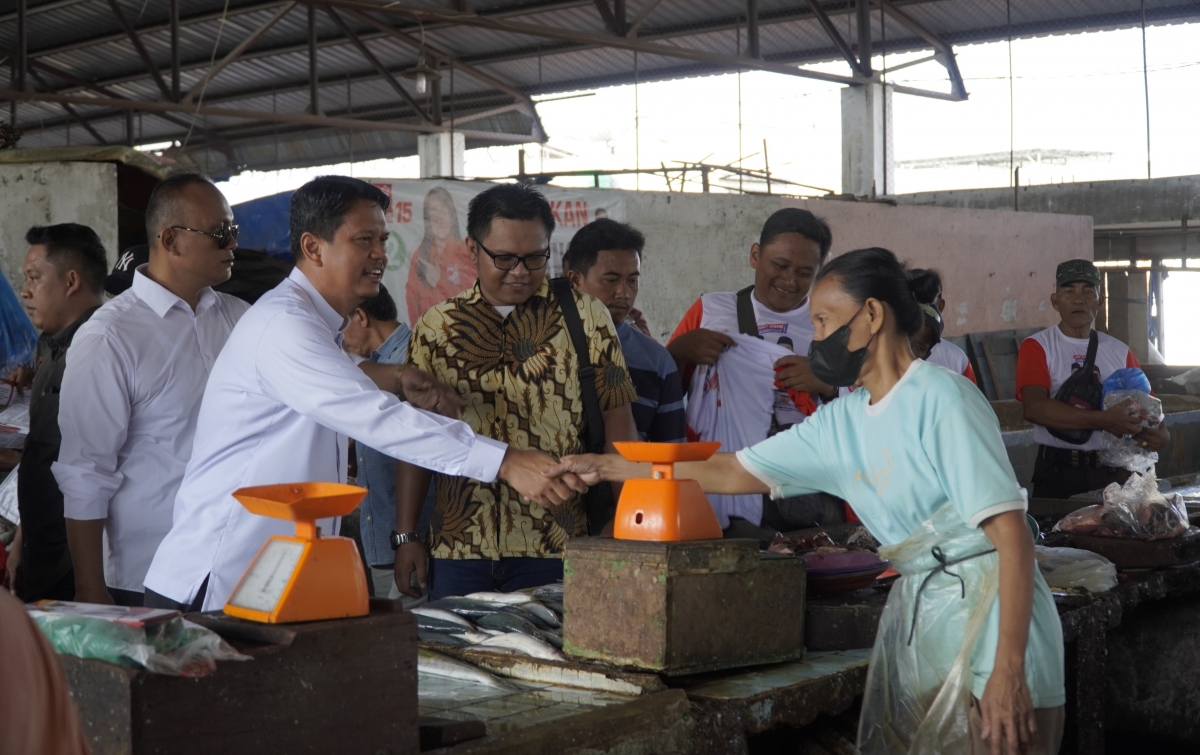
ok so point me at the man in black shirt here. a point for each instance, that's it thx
(64, 284)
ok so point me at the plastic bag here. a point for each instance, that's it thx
(1072, 567)
(914, 702)
(1125, 453)
(176, 647)
(1135, 510)
(18, 337)
(1127, 379)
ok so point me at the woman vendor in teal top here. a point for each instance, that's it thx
(969, 655)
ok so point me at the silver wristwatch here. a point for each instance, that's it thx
(398, 539)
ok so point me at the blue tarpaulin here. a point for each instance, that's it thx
(264, 223)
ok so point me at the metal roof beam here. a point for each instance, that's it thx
(379, 67)
(647, 8)
(235, 53)
(71, 111)
(600, 40)
(610, 19)
(302, 119)
(944, 51)
(142, 52)
(834, 35)
(434, 52)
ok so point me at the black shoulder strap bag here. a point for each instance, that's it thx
(1083, 390)
(747, 322)
(598, 501)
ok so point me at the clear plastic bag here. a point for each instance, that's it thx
(1072, 567)
(1125, 453)
(176, 647)
(915, 702)
(1135, 510)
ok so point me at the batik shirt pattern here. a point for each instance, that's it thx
(520, 377)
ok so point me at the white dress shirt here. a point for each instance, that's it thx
(282, 402)
(130, 395)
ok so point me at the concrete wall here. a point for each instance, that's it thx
(1109, 202)
(998, 266)
(48, 193)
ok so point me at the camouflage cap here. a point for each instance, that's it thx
(1074, 271)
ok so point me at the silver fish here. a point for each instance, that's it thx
(446, 616)
(553, 591)
(508, 598)
(543, 613)
(509, 623)
(442, 638)
(523, 644)
(436, 664)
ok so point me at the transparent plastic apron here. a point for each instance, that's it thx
(919, 683)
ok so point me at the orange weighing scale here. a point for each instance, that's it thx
(307, 577)
(661, 507)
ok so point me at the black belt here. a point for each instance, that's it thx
(1070, 457)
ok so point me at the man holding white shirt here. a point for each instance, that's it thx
(283, 398)
(131, 391)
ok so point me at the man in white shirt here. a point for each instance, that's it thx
(284, 397)
(790, 250)
(1045, 361)
(135, 374)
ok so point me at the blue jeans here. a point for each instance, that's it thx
(454, 576)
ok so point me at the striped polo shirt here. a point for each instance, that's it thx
(658, 411)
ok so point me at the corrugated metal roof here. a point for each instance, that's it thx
(80, 48)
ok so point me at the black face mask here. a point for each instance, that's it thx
(832, 362)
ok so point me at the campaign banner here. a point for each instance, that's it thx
(427, 254)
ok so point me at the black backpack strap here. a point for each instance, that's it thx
(565, 293)
(747, 322)
(1093, 344)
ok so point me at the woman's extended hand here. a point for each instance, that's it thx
(1008, 722)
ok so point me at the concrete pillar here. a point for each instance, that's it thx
(1127, 310)
(866, 163)
(441, 154)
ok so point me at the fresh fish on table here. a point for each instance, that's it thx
(447, 616)
(543, 613)
(553, 639)
(509, 623)
(553, 591)
(436, 664)
(468, 607)
(523, 644)
(509, 598)
(431, 624)
(442, 638)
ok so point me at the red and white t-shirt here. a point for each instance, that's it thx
(1050, 357)
(946, 354)
(793, 330)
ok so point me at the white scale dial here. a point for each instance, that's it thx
(265, 580)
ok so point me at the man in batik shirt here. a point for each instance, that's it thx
(505, 346)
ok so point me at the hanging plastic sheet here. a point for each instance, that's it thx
(18, 337)
(913, 703)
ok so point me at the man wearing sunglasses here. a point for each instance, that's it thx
(131, 393)
(505, 344)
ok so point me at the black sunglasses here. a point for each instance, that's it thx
(224, 236)
(508, 262)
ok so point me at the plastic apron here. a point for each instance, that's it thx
(919, 682)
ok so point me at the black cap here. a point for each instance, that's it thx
(121, 277)
(1075, 271)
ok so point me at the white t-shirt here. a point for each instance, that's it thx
(737, 418)
(1048, 358)
(946, 354)
(792, 330)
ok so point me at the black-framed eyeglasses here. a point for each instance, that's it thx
(224, 236)
(508, 262)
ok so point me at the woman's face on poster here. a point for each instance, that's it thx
(441, 224)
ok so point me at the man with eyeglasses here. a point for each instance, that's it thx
(505, 345)
(131, 392)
